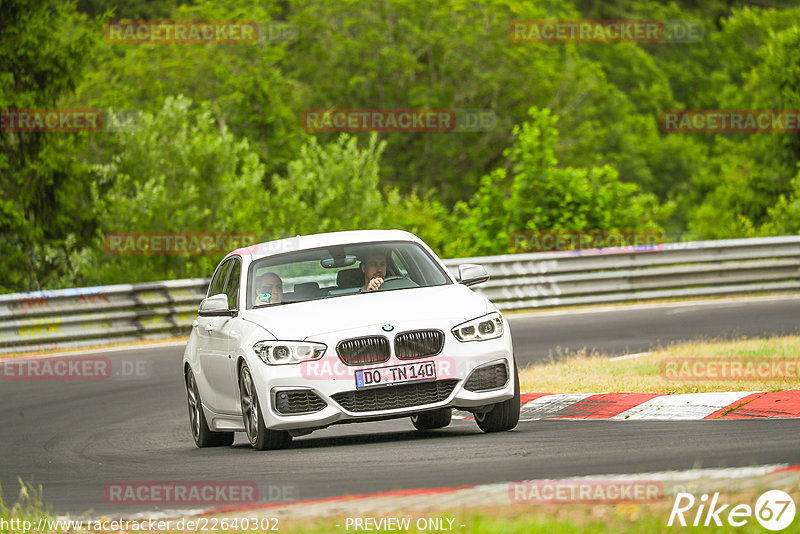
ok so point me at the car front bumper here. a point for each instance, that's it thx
(334, 383)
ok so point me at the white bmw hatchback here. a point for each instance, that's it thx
(302, 333)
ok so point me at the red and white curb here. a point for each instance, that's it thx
(656, 406)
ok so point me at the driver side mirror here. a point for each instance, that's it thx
(215, 306)
(470, 274)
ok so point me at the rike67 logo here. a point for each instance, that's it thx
(774, 510)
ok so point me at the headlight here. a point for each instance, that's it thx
(282, 352)
(486, 327)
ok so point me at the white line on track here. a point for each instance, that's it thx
(630, 356)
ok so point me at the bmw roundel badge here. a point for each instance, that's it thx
(388, 328)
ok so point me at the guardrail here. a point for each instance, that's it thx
(64, 318)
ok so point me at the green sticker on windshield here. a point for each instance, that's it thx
(264, 297)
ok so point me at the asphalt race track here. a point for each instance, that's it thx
(74, 437)
(635, 329)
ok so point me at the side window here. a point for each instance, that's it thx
(215, 287)
(232, 287)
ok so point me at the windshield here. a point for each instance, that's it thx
(341, 270)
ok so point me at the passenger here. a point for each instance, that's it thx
(269, 289)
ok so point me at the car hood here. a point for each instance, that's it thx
(301, 320)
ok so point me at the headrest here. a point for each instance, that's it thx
(306, 289)
(350, 278)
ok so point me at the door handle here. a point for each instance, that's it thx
(209, 328)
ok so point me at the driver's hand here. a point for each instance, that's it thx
(374, 284)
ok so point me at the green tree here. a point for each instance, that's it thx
(129, 9)
(748, 180)
(176, 170)
(407, 54)
(330, 188)
(244, 82)
(44, 207)
(538, 195)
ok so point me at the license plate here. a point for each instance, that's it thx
(396, 374)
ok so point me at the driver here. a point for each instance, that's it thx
(374, 268)
(269, 288)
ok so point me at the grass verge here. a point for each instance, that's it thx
(588, 518)
(620, 518)
(598, 373)
(28, 506)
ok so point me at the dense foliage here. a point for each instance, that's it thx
(208, 137)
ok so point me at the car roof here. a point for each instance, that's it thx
(305, 242)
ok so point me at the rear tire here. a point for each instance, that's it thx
(505, 415)
(260, 437)
(203, 436)
(432, 419)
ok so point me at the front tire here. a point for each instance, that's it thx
(203, 436)
(260, 437)
(505, 415)
(432, 419)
